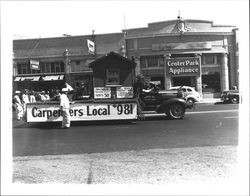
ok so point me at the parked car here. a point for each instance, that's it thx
(190, 94)
(232, 96)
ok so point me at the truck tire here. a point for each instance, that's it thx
(190, 101)
(234, 99)
(175, 111)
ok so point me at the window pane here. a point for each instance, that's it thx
(62, 66)
(209, 59)
(143, 62)
(57, 67)
(19, 70)
(52, 68)
(42, 67)
(152, 61)
(161, 62)
(113, 76)
(219, 59)
(47, 66)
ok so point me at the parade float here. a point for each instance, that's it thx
(112, 97)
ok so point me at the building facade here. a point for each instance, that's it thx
(178, 52)
(186, 52)
(59, 59)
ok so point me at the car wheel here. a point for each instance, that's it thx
(234, 99)
(190, 101)
(176, 111)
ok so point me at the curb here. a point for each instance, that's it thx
(210, 101)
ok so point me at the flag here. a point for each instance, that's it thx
(91, 46)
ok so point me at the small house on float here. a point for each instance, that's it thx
(113, 77)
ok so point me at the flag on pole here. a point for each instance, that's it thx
(91, 46)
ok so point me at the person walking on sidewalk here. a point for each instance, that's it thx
(64, 105)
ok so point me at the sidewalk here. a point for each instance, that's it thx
(209, 101)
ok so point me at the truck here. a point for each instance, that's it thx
(170, 102)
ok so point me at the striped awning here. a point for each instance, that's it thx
(37, 78)
(27, 78)
(55, 77)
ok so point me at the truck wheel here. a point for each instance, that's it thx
(176, 111)
(234, 100)
(190, 101)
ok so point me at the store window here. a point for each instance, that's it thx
(47, 68)
(211, 82)
(113, 77)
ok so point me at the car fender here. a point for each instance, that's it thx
(165, 104)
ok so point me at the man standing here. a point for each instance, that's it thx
(64, 105)
(18, 105)
(25, 99)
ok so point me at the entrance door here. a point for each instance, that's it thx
(183, 81)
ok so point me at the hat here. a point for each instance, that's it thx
(16, 92)
(64, 90)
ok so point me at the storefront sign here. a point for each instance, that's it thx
(124, 92)
(183, 66)
(34, 65)
(102, 92)
(82, 111)
(182, 46)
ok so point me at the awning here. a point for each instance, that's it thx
(28, 78)
(17, 79)
(37, 78)
(55, 77)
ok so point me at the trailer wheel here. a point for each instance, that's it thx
(175, 111)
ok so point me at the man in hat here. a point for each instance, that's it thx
(64, 105)
(18, 105)
(25, 98)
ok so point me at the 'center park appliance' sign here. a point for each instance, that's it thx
(190, 66)
(50, 112)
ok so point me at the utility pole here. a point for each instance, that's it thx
(67, 66)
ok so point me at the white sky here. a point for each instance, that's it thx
(33, 19)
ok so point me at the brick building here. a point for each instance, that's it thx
(178, 52)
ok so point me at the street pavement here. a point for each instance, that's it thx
(200, 148)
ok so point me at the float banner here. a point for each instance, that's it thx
(124, 92)
(183, 66)
(102, 92)
(82, 111)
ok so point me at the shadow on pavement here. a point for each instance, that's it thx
(57, 125)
